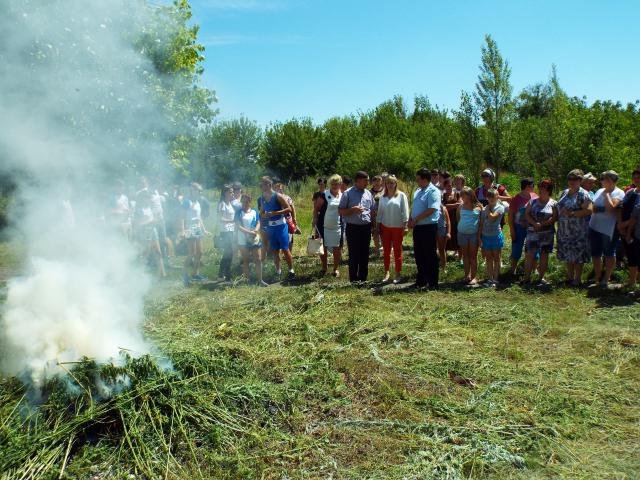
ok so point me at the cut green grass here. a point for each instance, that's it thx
(319, 379)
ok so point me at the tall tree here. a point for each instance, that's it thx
(468, 119)
(493, 98)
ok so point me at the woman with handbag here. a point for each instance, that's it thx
(327, 223)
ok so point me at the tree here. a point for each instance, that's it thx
(228, 151)
(493, 98)
(289, 149)
(467, 119)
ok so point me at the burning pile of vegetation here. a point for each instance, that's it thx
(137, 419)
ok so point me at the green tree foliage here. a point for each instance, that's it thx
(290, 149)
(228, 151)
(493, 98)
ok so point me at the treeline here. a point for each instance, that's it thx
(541, 131)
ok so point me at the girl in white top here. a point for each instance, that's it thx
(328, 224)
(248, 226)
(193, 230)
(226, 216)
(392, 218)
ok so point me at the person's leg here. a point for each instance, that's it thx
(288, 258)
(225, 261)
(419, 252)
(571, 271)
(197, 258)
(351, 248)
(517, 244)
(442, 251)
(244, 255)
(544, 263)
(597, 268)
(433, 265)
(473, 262)
(337, 259)
(257, 259)
(488, 255)
(577, 273)
(387, 243)
(609, 265)
(396, 242)
(497, 258)
(529, 265)
(466, 259)
(363, 264)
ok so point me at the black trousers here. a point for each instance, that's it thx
(226, 240)
(426, 253)
(358, 240)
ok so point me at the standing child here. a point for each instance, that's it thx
(248, 226)
(492, 236)
(469, 233)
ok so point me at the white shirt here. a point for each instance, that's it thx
(227, 217)
(393, 211)
(605, 222)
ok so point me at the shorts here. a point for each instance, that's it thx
(602, 245)
(442, 226)
(539, 242)
(278, 237)
(467, 239)
(194, 232)
(633, 252)
(493, 242)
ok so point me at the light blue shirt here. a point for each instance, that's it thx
(424, 199)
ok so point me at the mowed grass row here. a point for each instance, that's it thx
(368, 373)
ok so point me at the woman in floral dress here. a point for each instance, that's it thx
(574, 207)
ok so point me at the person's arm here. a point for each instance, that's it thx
(346, 211)
(293, 212)
(493, 216)
(503, 194)
(427, 213)
(527, 215)
(284, 205)
(586, 208)
(448, 220)
(377, 218)
(554, 217)
(610, 204)
(405, 212)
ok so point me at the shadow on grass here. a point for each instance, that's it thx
(616, 297)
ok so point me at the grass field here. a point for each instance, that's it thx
(319, 379)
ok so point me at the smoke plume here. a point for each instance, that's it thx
(77, 109)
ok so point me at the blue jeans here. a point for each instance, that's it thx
(517, 243)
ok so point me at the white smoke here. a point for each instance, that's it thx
(77, 108)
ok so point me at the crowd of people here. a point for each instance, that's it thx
(446, 218)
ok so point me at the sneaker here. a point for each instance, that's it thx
(336, 273)
(397, 280)
(291, 274)
(279, 272)
(201, 278)
(262, 283)
(386, 278)
(543, 283)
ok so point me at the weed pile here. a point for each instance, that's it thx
(136, 419)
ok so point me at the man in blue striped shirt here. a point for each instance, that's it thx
(425, 212)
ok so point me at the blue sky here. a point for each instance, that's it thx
(277, 59)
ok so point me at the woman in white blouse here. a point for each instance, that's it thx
(392, 218)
